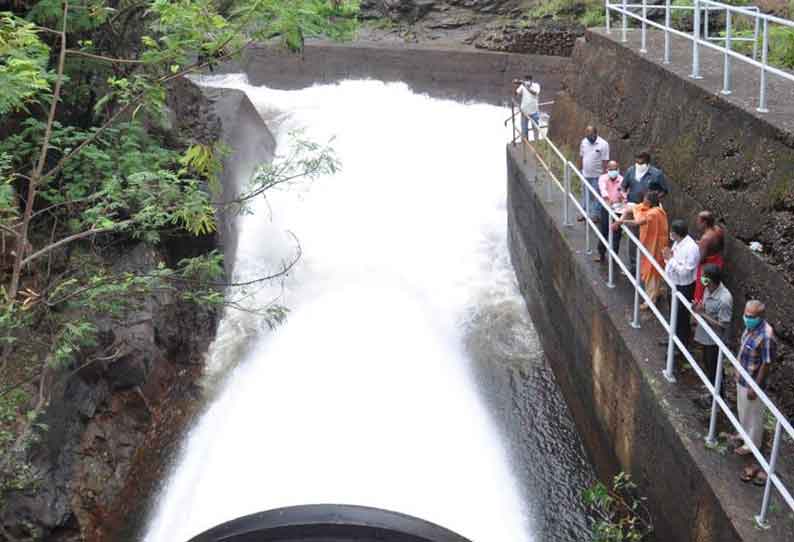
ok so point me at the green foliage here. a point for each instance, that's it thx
(588, 13)
(616, 513)
(109, 181)
(781, 45)
(594, 15)
(123, 180)
(85, 15)
(305, 160)
(23, 63)
(554, 8)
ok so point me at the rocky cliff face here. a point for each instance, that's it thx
(499, 25)
(114, 421)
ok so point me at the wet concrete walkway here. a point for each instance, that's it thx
(744, 77)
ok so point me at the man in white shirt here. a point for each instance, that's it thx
(529, 92)
(593, 158)
(681, 264)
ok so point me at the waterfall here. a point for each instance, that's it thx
(366, 394)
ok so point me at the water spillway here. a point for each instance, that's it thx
(369, 393)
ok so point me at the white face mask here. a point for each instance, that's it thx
(641, 170)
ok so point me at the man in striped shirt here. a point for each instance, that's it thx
(757, 351)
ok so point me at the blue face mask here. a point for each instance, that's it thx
(613, 173)
(751, 322)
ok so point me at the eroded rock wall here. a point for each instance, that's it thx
(114, 421)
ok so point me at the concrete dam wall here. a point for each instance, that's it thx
(718, 153)
(455, 73)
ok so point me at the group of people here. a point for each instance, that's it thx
(695, 267)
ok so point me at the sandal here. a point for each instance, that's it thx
(749, 474)
(760, 478)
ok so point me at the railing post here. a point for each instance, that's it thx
(567, 181)
(667, 23)
(610, 238)
(706, 23)
(756, 32)
(513, 119)
(587, 205)
(696, 42)
(625, 23)
(643, 48)
(764, 54)
(669, 370)
(637, 285)
(760, 519)
(548, 188)
(726, 70)
(606, 20)
(711, 439)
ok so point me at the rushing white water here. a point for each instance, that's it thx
(365, 394)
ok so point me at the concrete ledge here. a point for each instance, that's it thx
(630, 418)
(460, 73)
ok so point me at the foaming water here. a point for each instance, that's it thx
(365, 395)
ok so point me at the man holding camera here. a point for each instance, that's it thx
(529, 92)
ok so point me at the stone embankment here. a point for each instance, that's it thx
(496, 25)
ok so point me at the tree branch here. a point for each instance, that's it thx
(106, 58)
(71, 238)
(35, 178)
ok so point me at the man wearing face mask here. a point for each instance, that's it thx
(593, 158)
(681, 263)
(638, 180)
(757, 352)
(609, 185)
(716, 308)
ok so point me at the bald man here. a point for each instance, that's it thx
(593, 158)
(757, 352)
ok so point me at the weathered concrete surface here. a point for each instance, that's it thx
(629, 417)
(224, 116)
(718, 153)
(459, 73)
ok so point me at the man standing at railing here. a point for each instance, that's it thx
(609, 185)
(716, 308)
(641, 178)
(681, 263)
(529, 92)
(757, 351)
(593, 158)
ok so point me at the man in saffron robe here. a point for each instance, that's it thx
(654, 236)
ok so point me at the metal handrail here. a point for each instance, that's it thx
(701, 7)
(668, 324)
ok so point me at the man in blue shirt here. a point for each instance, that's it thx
(641, 178)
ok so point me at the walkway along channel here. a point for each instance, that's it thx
(730, 18)
(560, 175)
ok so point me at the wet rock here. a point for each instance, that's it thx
(543, 38)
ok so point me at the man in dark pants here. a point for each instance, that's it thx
(716, 309)
(681, 263)
(609, 187)
(639, 179)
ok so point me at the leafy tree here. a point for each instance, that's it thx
(75, 179)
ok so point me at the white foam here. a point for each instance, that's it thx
(364, 395)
